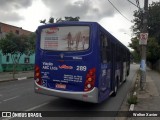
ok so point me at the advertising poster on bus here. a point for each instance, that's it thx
(69, 38)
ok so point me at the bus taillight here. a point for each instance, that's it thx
(90, 80)
(37, 75)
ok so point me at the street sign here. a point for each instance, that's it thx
(143, 38)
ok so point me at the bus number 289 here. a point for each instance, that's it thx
(81, 68)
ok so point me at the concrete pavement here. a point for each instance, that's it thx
(149, 99)
(8, 76)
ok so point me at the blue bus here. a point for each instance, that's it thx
(79, 60)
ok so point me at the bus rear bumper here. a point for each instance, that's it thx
(90, 96)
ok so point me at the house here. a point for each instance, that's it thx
(6, 64)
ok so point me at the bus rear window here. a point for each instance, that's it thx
(69, 38)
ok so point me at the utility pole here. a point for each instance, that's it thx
(143, 43)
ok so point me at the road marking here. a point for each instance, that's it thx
(22, 78)
(136, 85)
(134, 93)
(131, 107)
(38, 106)
(10, 98)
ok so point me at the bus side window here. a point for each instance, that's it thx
(118, 56)
(122, 55)
(108, 50)
(104, 48)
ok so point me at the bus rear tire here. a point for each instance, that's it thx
(115, 89)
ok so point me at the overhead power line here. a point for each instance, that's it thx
(138, 6)
(118, 10)
(137, 1)
(132, 3)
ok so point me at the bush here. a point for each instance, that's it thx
(132, 100)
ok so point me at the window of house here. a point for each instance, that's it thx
(7, 58)
(26, 60)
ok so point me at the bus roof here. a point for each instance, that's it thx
(68, 23)
(83, 23)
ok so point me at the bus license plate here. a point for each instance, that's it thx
(62, 86)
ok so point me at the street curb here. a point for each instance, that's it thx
(132, 106)
(8, 80)
(22, 78)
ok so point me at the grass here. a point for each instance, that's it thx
(132, 100)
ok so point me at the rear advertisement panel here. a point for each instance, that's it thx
(69, 38)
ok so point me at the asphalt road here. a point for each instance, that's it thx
(20, 96)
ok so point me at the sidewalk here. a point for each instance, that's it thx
(8, 76)
(149, 99)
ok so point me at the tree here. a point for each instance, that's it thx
(43, 21)
(153, 45)
(31, 41)
(153, 50)
(72, 19)
(135, 46)
(154, 21)
(53, 20)
(16, 46)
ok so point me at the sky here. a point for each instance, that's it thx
(28, 13)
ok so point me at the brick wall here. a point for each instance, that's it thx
(5, 28)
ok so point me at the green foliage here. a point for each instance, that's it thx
(30, 45)
(136, 57)
(53, 20)
(135, 46)
(154, 20)
(16, 46)
(72, 19)
(43, 21)
(7, 44)
(153, 45)
(20, 67)
(137, 22)
(132, 99)
(153, 50)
